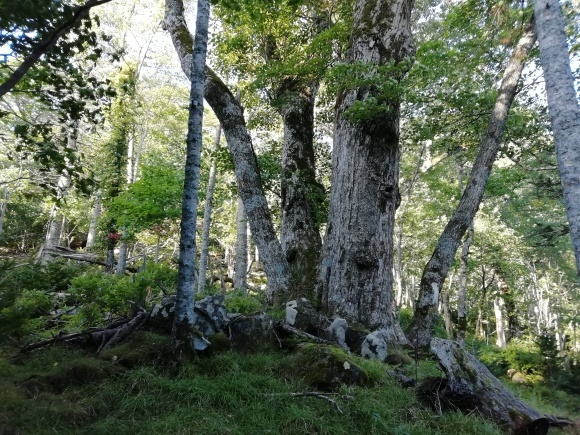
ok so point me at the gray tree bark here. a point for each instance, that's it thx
(562, 109)
(204, 256)
(299, 229)
(241, 267)
(356, 276)
(183, 333)
(231, 117)
(462, 308)
(436, 270)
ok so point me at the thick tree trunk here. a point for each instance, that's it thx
(231, 117)
(204, 256)
(299, 229)
(183, 333)
(96, 213)
(562, 108)
(438, 266)
(356, 276)
(241, 267)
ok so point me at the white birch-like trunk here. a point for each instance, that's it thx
(436, 269)
(562, 108)
(183, 335)
(94, 220)
(241, 267)
(204, 255)
(122, 258)
(499, 322)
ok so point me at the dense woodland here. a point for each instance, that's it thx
(410, 170)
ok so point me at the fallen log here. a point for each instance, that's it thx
(469, 385)
(102, 338)
(69, 254)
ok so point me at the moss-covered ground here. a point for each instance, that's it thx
(132, 389)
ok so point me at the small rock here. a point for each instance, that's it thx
(337, 332)
(375, 346)
(253, 334)
(327, 367)
(301, 314)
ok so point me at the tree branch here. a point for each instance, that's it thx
(44, 46)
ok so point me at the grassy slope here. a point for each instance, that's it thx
(130, 390)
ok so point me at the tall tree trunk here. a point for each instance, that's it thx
(562, 109)
(299, 229)
(462, 308)
(241, 268)
(499, 323)
(94, 220)
(400, 221)
(56, 219)
(510, 306)
(356, 276)
(447, 315)
(438, 266)
(204, 256)
(183, 334)
(122, 259)
(231, 117)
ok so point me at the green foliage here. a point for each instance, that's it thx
(151, 200)
(380, 84)
(104, 296)
(27, 294)
(240, 301)
(523, 356)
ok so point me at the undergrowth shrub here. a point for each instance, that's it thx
(28, 293)
(240, 301)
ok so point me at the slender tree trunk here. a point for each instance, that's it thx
(230, 114)
(183, 333)
(400, 221)
(562, 108)
(122, 259)
(203, 259)
(96, 213)
(3, 208)
(299, 229)
(436, 270)
(356, 277)
(499, 323)
(56, 220)
(462, 308)
(241, 268)
(447, 315)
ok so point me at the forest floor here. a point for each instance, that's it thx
(132, 389)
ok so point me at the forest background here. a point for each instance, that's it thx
(92, 153)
